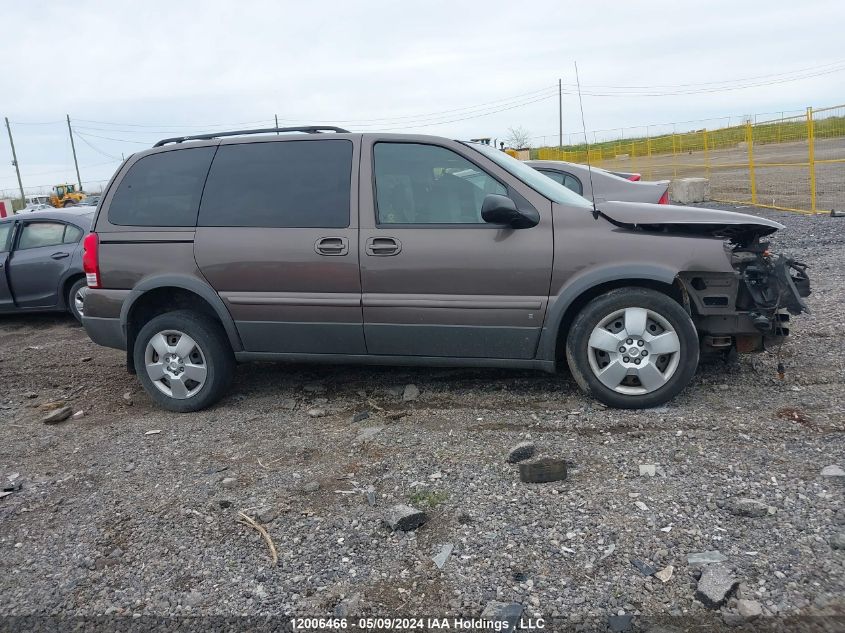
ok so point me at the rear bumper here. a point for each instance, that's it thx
(107, 332)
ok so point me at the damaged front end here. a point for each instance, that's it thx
(745, 308)
(752, 307)
(770, 285)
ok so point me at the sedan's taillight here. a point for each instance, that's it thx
(664, 199)
(91, 260)
(634, 177)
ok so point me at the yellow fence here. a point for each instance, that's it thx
(790, 161)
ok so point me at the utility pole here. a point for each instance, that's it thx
(277, 122)
(15, 160)
(73, 149)
(560, 112)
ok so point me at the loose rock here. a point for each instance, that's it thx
(311, 486)
(837, 541)
(78, 415)
(267, 514)
(411, 392)
(749, 508)
(833, 471)
(404, 517)
(228, 483)
(749, 609)
(316, 412)
(127, 398)
(542, 471)
(360, 416)
(665, 574)
(520, 452)
(57, 415)
(715, 586)
(648, 470)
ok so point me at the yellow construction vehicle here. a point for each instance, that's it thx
(65, 195)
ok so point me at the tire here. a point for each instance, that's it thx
(654, 367)
(74, 306)
(184, 374)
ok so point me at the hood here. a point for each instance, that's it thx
(738, 227)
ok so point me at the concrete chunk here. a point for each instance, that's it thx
(404, 517)
(688, 190)
(521, 451)
(715, 586)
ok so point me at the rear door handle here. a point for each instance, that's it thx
(383, 246)
(332, 246)
(60, 255)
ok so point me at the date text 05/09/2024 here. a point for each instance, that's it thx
(410, 623)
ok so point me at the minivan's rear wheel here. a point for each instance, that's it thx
(76, 298)
(632, 348)
(184, 360)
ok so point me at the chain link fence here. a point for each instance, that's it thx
(790, 160)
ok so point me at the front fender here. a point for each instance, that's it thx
(583, 282)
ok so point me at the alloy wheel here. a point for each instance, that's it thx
(634, 351)
(175, 364)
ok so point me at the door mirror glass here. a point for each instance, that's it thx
(498, 209)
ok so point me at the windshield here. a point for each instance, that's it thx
(552, 190)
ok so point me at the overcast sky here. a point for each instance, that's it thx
(140, 71)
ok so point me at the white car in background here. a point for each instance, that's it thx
(606, 186)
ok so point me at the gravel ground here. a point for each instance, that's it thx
(133, 511)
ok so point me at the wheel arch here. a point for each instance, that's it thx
(65, 285)
(579, 292)
(162, 294)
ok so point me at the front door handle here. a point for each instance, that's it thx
(332, 246)
(60, 255)
(383, 246)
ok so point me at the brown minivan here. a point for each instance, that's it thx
(322, 245)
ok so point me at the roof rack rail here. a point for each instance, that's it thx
(309, 129)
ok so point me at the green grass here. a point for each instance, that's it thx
(429, 498)
(794, 129)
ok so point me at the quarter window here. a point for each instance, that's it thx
(162, 189)
(567, 180)
(288, 184)
(426, 184)
(72, 234)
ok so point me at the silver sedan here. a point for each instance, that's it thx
(606, 185)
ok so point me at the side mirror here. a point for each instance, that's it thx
(498, 209)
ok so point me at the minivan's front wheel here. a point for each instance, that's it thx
(632, 348)
(184, 360)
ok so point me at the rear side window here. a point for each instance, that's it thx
(288, 184)
(162, 189)
(38, 234)
(5, 232)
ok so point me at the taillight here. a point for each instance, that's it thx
(664, 199)
(91, 260)
(634, 177)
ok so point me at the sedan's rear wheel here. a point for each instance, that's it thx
(184, 360)
(76, 298)
(633, 348)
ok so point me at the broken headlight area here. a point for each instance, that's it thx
(769, 286)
